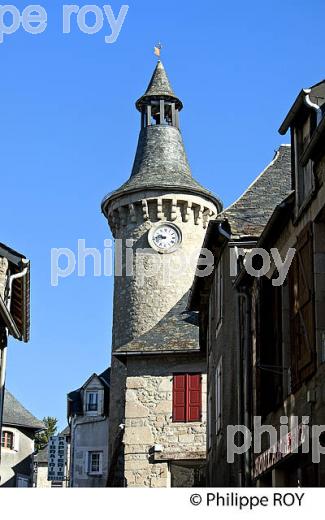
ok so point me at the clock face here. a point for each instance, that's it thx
(165, 238)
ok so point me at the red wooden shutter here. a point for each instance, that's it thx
(194, 397)
(179, 398)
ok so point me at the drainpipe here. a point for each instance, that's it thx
(223, 232)
(3, 358)
(309, 103)
(11, 280)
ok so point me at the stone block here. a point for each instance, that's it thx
(164, 407)
(136, 382)
(130, 477)
(186, 438)
(139, 435)
(158, 482)
(134, 465)
(197, 429)
(135, 410)
(165, 385)
(131, 395)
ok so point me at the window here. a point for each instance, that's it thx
(270, 347)
(7, 440)
(304, 172)
(91, 401)
(218, 384)
(95, 462)
(187, 397)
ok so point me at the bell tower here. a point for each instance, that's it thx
(158, 218)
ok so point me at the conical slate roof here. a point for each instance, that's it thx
(159, 87)
(14, 414)
(161, 161)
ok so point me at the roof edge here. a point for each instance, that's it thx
(177, 189)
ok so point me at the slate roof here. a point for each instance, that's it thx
(65, 431)
(159, 86)
(74, 397)
(106, 376)
(178, 331)
(41, 457)
(161, 161)
(14, 414)
(249, 214)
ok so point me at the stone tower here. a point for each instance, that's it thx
(158, 219)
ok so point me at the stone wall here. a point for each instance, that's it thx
(157, 282)
(148, 420)
(140, 302)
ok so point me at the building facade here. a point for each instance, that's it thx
(261, 317)
(17, 444)
(88, 417)
(158, 381)
(222, 310)
(288, 379)
(14, 307)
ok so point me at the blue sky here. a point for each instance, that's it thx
(68, 135)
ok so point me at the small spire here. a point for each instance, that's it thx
(159, 87)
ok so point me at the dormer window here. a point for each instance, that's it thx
(91, 402)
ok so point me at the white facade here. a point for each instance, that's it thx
(89, 436)
(16, 468)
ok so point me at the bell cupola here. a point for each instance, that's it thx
(159, 105)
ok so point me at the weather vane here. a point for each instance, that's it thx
(157, 49)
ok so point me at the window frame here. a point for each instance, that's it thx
(188, 404)
(304, 173)
(91, 471)
(89, 410)
(4, 437)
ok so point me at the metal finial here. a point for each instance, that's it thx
(157, 49)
